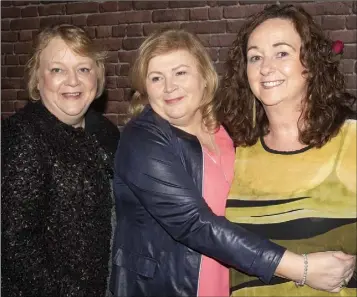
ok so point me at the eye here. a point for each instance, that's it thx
(282, 54)
(84, 70)
(56, 70)
(182, 72)
(155, 79)
(254, 59)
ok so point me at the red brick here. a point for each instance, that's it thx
(347, 66)
(197, 14)
(55, 20)
(127, 56)
(265, 2)
(350, 51)
(7, 106)
(23, 59)
(11, 60)
(111, 82)
(117, 107)
(116, 95)
(347, 36)
(234, 26)
(222, 3)
(112, 57)
(109, 69)
(135, 17)
(7, 48)
(132, 43)
(29, 11)
(220, 67)
(215, 13)
(212, 53)
(103, 31)
(9, 36)
(150, 5)
(128, 94)
(10, 12)
(103, 19)
(20, 104)
(119, 31)
(317, 19)
(108, 6)
(26, 35)
(333, 22)
(123, 82)
(110, 44)
(5, 25)
(170, 15)
(113, 118)
(150, 28)
(125, 5)
(223, 54)
(8, 95)
(355, 67)
(12, 83)
(86, 7)
(3, 71)
(205, 27)
(351, 22)
(217, 40)
(28, 23)
(15, 71)
(22, 95)
(351, 81)
(326, 8)
(134, 30)
(122, 69)
(21, 3)
(23, 48)
(79, 20)
(52, 9)
(5, 115)
(184, 4)
(240, 12)
(6, 3)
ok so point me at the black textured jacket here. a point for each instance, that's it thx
(56, 204)
(164, 224)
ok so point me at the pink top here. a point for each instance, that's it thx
(217, 179)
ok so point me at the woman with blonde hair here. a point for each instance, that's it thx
(173, 171)
(57, 156)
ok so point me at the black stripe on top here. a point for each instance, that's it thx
(258, 203)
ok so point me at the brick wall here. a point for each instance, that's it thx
(122, 25)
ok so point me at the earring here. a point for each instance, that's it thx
(254, 113)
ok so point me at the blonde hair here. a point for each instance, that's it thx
(77, 40)
(165, 41)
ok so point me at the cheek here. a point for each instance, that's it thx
(49, 83)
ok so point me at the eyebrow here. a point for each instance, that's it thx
(274, 45)
(173, 69)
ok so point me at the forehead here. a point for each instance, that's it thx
(172, 59)
(57, 50)
(274, 30)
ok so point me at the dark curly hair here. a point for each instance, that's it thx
(326, 105)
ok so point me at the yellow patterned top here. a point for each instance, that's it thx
(303, 200)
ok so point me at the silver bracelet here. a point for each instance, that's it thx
(306, 266)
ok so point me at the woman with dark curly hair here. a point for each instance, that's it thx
(57, 156)
(286, 108)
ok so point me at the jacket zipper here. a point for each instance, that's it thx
(203, 172)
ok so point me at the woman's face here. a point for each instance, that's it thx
(175, 88)
(275, 73)
(67, 82)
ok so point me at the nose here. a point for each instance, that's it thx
(267, 66)
(72, 78)
(170, 85)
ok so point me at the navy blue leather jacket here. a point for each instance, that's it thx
(164, 224)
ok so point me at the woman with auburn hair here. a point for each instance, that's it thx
(294, 126)
(57, 156)
(173, 170)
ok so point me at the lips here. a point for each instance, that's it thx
(173, 100)
(271, 84)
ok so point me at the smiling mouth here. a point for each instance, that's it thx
(272, 84)
(72, 95)
(173, 100)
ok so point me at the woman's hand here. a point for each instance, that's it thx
(330, 271)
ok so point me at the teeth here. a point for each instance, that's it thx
(272, 83)
(71, 94)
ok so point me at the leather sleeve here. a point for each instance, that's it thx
(146, 161)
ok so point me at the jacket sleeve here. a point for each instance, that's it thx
(147, 163)
(22, 245)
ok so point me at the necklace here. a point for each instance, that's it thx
(217, 152)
